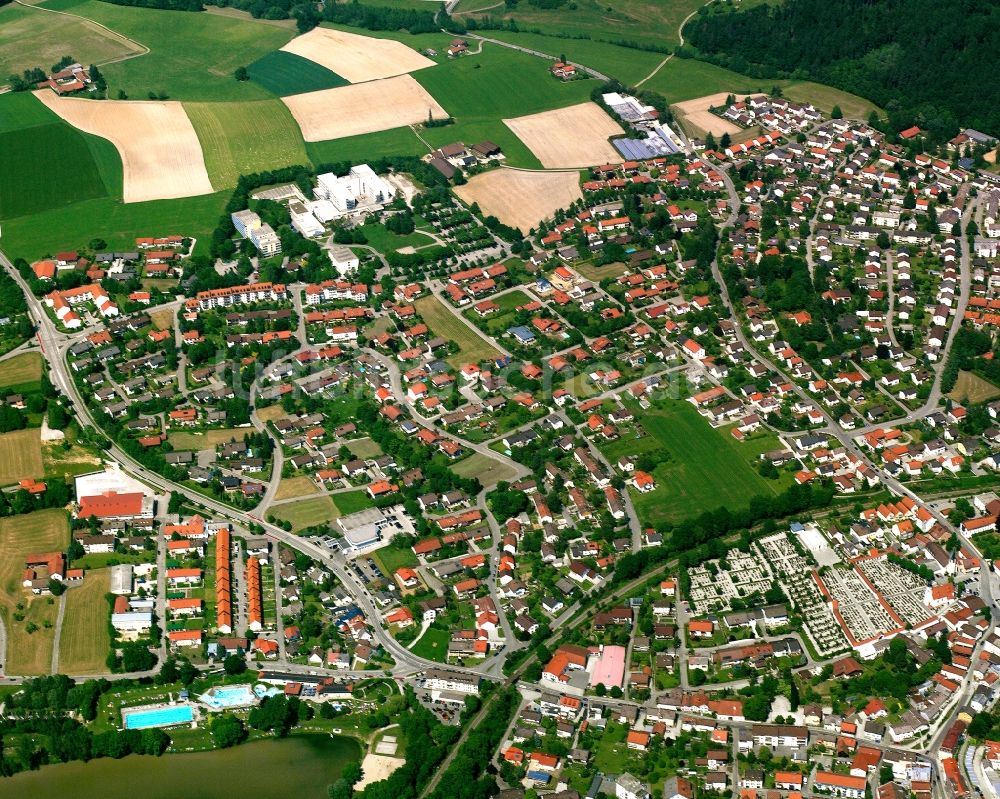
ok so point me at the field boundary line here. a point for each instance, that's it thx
(113, 33)
(542, 169)
(680, 38)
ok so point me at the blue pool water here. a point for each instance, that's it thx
(229, 696)
(160, 717)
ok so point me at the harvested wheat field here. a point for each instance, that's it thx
(567, 137)
(354, 57)
(697, 119)
(364, 108)
(521, 199)
(160, 152)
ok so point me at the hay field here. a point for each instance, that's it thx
(972, 388)
(160, 151)
(20, 455)
(290, 487)
(84, 641)
(238, 138)
(35, 37)
(362, 108)
(354, 57)
(43, 531)
(697, 119)
(576, 136)
(521, 199)
(21, 373)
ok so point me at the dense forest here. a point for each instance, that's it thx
(918, 59)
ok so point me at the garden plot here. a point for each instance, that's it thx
(160, 152)
(362, 108)
(354, 57)
(576, 136)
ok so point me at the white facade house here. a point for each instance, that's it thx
(249, 225)
(343, 259)
(359, 190)
(303, 220)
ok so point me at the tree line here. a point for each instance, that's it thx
(916, 58)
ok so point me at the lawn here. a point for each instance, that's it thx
(43, 531)
(704, 468)
(473, 348)
(239, 138)
(35, 37)
(826, 97)
(20, 455)
(386, 241)
(22, 373)
(193, 56)
(488, 470)
(208, 439)
(394, 557)
(624, 63)
(973, 389)
(307, 512)
(84, 640)
(396, 141)
(352, 501)
(287, 73)
(364, 448)
(34, 236)
(73, 160)
(432, 645)
(648, 22)
(290, 487)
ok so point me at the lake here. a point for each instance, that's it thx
(302, 766)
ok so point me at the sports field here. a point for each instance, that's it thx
(362, 108)
(306, 512)
(20, 455)
(84, 640)
(21, 373)
(575, 136)
(35, 37)
(287, 73)
(240, 138)
(355, 57)
(30, 135)
(192, 56)
(473, 348)
(704, 468)
(43, 531)
(521, 199)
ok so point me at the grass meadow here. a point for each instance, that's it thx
(42, 531)
(287, 73)
(473, 348)
(21, 374)
(238, 138)
(703, 468)
(20, 456)
(306, 512)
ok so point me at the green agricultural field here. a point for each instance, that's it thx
(473, 348)
(77, 166)
(352, 501)
(481, 90)
(192, 56)
(686, 78)
(368, 146)
(705, 468)
(36, 37)
(240, 138)
(648, 22)
(20, 455)
(118, 224)
(624, 63)
(287, 73)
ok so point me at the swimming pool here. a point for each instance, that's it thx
(222, 696)
(158, 717)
